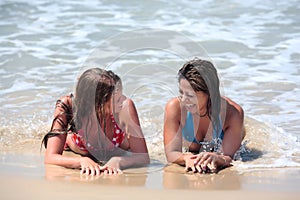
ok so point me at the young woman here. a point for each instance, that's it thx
(202, 130)
(100, 124)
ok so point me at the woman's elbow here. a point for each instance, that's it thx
(47, 160)
(170, 157)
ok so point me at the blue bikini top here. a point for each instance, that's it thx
(188, 132)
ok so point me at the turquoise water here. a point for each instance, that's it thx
(255, 45)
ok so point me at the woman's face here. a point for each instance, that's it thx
(194, 102)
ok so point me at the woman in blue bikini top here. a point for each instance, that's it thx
(202, 129)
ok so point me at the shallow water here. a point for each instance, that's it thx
(255, 45)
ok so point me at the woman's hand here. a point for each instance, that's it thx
(204, 162)
(112, 166)
(209, 162)
(89, 167)
(189, 160)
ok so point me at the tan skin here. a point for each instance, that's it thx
(127, 118)
(195, 102)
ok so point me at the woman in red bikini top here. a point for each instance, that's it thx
(97, 123)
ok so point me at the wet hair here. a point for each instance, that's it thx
(94, 89)
(118, 85)
(202, 76)
(116, 78)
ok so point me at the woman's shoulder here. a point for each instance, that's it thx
(128, 115)
(233, 109)
(234, 117)
(128, 108)
(173, 103)
(128, 103)
(173, 107)
(66, 100)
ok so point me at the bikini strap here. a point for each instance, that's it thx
(188, 131)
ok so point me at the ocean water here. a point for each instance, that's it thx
(255, 45)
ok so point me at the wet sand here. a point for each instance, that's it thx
(24, 175)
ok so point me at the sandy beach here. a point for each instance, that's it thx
(45, 45)
(23, 175)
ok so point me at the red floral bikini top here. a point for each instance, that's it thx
(119, 134)
(64, 105)
(118, 137)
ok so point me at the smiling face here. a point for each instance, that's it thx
(194, 102)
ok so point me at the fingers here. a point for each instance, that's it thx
(88, 171)
(199, 162)
(212, 166)
(203, 163)
(110, 170)
(199, 169)
(91, 170)
(202, 157)
(198, 158)
(190, 164)
(206, 162)
(98, 170)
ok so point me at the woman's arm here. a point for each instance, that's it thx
(53, 155)
(234, 128)
(138, 155)
(172, 134)
(233, 136)
(54, 151)
(55, 142)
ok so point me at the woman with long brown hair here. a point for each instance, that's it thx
(100, 124)
(202, 129)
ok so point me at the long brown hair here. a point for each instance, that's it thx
(94, 89)
(202, 75)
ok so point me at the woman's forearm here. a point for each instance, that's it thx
(177, 157)
(63, 161)
(134, 160)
